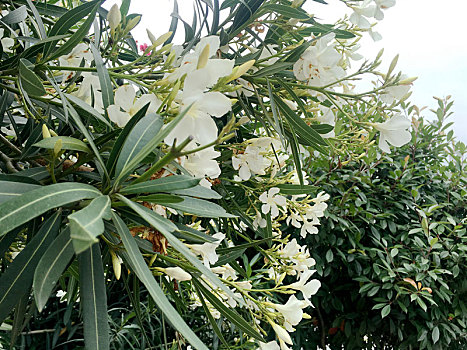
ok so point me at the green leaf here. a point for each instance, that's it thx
(199, 207)
(293, 189)
(164, 226)
(117, 147)
(46, 9)
(51, 267)
(19, 210)
(17, 278)
(10, 189)
(30, 82)
(139, 136)
(149, 147)
(307, 134)
(83, 106)
(163, 184)
(67, 21)
(386, 310)
(87, 224)
(68, 143)
(134, 257)
(162, 198)
(272, 69)
(435, 335)
(93, 299)
(15, 16)
(198, 191)
(329, 256)
(288, 11)
(104, 78)
(244, 14)
(232, 315)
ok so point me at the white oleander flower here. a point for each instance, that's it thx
(271, 200)
(114, 17)
(259, 221)
(7, 42)
(281, 333)
(394, 131)
(177, 273)
(308, 288)
(250, 162)
(272, 345)
(8, 131)
(397, 92)
(203, 163)
(309, 227)
(365, 9)
(382, 5)
(208, 250)
(90, 91)
(74, 59)
(292, 310)
(226, 271)
(127, 105)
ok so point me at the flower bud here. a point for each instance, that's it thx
(407, 81)
(281, 333)
(392, 65)
(57, 147)
(240, 70)
(114, 17)
(160, 40)
(45, 131)
(203, 57)
(116, 263)
(53, 133)
(177, 273)
(132, 23)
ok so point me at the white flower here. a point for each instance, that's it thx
(271, 200)
(226, 270)
(177, 273)
(79, 53)
(127, 105)
(250, 162)
(393, 131)
(309, 227)
(203, 163)
(359, 17)
(396, 92)
(197, 122)
(272, 345)
(308, 288)
(7, 42)
(294, 217)
(281, 333)
(318, 65)
(292, 310)
(259, 221)
(208, 250)
(8, 131)
(114, 17)
(382, 5)
(90, 91)
(291, 249)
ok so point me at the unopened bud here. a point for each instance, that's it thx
(57, 147)
(116, 263)
(408, 81)
(240, 70)
(114, 17)
(392, 65)
(132, 23)
(173, 93)
(45, 131)
(53, 133)
(160, 40)
(203, 57)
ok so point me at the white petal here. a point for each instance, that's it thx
(214, 103)
(117, 116)
(125, 96)
(144, 100)
(213, 42)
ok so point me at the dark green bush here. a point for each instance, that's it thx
(392, 253)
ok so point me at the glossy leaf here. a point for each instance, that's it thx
(200, 207)
(17, 278)
(51, 266)
(19, 210)
(29, 80)
(93, 299)
(163, 184)
(146, 277)
(87, 224)
(68, 143)
(139, 136)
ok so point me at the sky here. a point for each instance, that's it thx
(430, 37)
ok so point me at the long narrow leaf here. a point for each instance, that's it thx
(144, 274)
(17, 279)
(94, 299)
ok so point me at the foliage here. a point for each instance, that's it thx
(173, 172)
(392, 250)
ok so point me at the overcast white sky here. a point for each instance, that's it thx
(429, 35)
